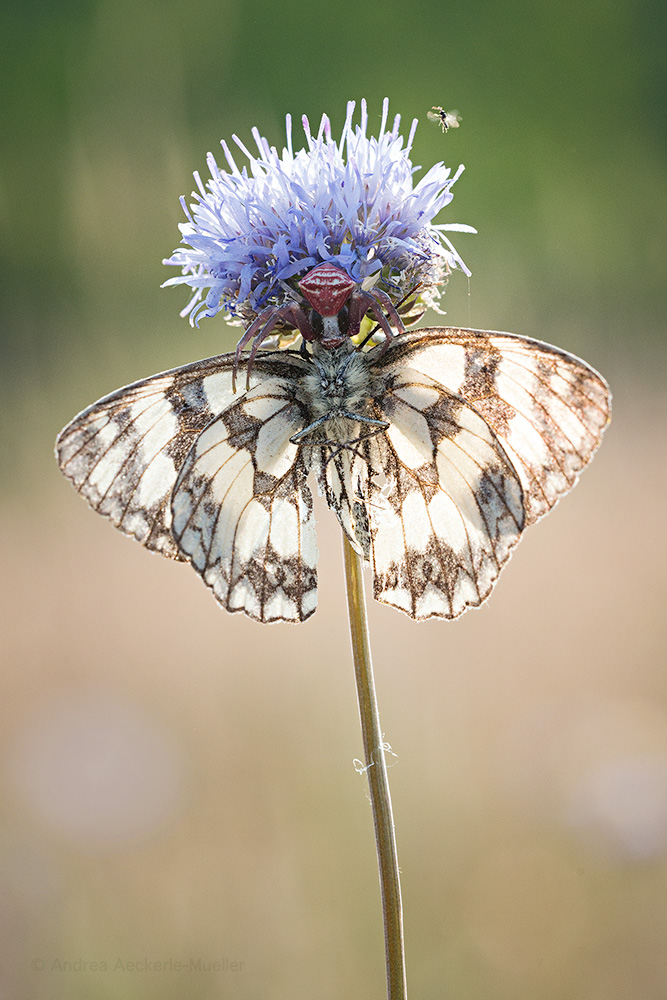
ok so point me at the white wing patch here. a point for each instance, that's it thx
(434, 451)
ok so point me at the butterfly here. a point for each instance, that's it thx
(435, 450)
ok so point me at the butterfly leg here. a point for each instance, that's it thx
(336, 449)
(379, 425)
(297, 438)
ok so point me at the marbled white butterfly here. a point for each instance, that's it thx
(435, 450)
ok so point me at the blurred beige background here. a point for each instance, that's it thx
(181, 815)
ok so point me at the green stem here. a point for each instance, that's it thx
(376, 769)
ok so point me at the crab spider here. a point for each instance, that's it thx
(337, 307)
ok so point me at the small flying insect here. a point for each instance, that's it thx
(446, 119)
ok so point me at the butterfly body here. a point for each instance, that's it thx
(434, 452)
(338, 391)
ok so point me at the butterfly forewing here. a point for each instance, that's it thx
(127, 452)
(123, 454)
(547, 407)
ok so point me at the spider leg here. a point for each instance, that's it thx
(257, 324)
(373, 304)
(257, 343)
(294, 314)
(389, 308)
(356, 310)
(261, 327)
(408, 295)
(380, 305)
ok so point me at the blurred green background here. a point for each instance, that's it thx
(177, 783)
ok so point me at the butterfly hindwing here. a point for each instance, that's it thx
(454, 505)
(242, 511)
(343, 475)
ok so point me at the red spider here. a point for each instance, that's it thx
(337, 307)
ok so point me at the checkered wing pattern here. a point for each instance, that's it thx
(487, 431)
(198, 474)
(434, 451)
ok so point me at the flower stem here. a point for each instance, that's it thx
(376, 769)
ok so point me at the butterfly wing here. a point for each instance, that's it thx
(453, 502)
(242, 512)
(126, 453)
(123, 453)
(547, 408)
(343, 477)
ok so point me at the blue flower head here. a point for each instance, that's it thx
(253, 232)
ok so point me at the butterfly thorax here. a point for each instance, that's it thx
(336, 394)
(338, 380)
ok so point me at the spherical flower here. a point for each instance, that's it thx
(253, 232)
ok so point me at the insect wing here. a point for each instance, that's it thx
(486, 432)
(446, 119)
(126, 454)
(242, 512)
(453, 502)
(548, 408)
(343, 477)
